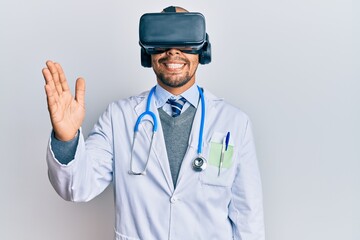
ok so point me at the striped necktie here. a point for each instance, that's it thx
(176, 106)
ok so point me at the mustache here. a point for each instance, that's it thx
(177, 58)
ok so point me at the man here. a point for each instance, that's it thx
(196, 178)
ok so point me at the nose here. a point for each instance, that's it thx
(173, 52)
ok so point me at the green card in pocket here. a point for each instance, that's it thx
(215, 155)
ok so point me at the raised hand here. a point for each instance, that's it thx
(66, 112)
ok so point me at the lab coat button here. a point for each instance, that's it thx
(173, 199)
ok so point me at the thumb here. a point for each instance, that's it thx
(80, 91)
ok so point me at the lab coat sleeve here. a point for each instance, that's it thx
(246, 207)
(90, 172)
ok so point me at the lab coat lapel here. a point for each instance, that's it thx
(186, 173)
(159, 148)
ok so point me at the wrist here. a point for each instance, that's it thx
(67, 137)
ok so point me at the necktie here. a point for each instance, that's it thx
(176, 106)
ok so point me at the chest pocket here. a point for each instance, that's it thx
(220, 169)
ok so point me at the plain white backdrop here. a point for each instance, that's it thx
(293, 66)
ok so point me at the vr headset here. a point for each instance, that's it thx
(185, 31)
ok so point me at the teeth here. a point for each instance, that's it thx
(174, 65)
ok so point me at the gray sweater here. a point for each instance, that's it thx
(176, 134)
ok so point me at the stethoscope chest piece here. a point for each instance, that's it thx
(199, 164)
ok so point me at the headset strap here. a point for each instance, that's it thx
(170, 9)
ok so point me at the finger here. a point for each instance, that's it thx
(55, 76)
(49, 80)
(48, 77)
(62, 78)
(51, 99)
(80, 91)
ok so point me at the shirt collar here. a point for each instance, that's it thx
(161, 96)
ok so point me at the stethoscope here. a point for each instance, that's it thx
(199, 163)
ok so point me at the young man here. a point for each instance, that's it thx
(196, 177)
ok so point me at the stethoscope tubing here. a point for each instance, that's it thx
(199, 159)
(202, 121)
(147, 112)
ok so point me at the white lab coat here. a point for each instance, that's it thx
(202, 206)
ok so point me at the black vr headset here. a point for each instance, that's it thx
(181, 30)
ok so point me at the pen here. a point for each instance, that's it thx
(224, 148)
(227, 141)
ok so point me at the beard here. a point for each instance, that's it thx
(173, 80)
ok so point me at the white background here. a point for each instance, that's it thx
(292, 65)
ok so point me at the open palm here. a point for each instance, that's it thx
(66, 112)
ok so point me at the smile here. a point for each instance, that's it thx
(174, 65)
